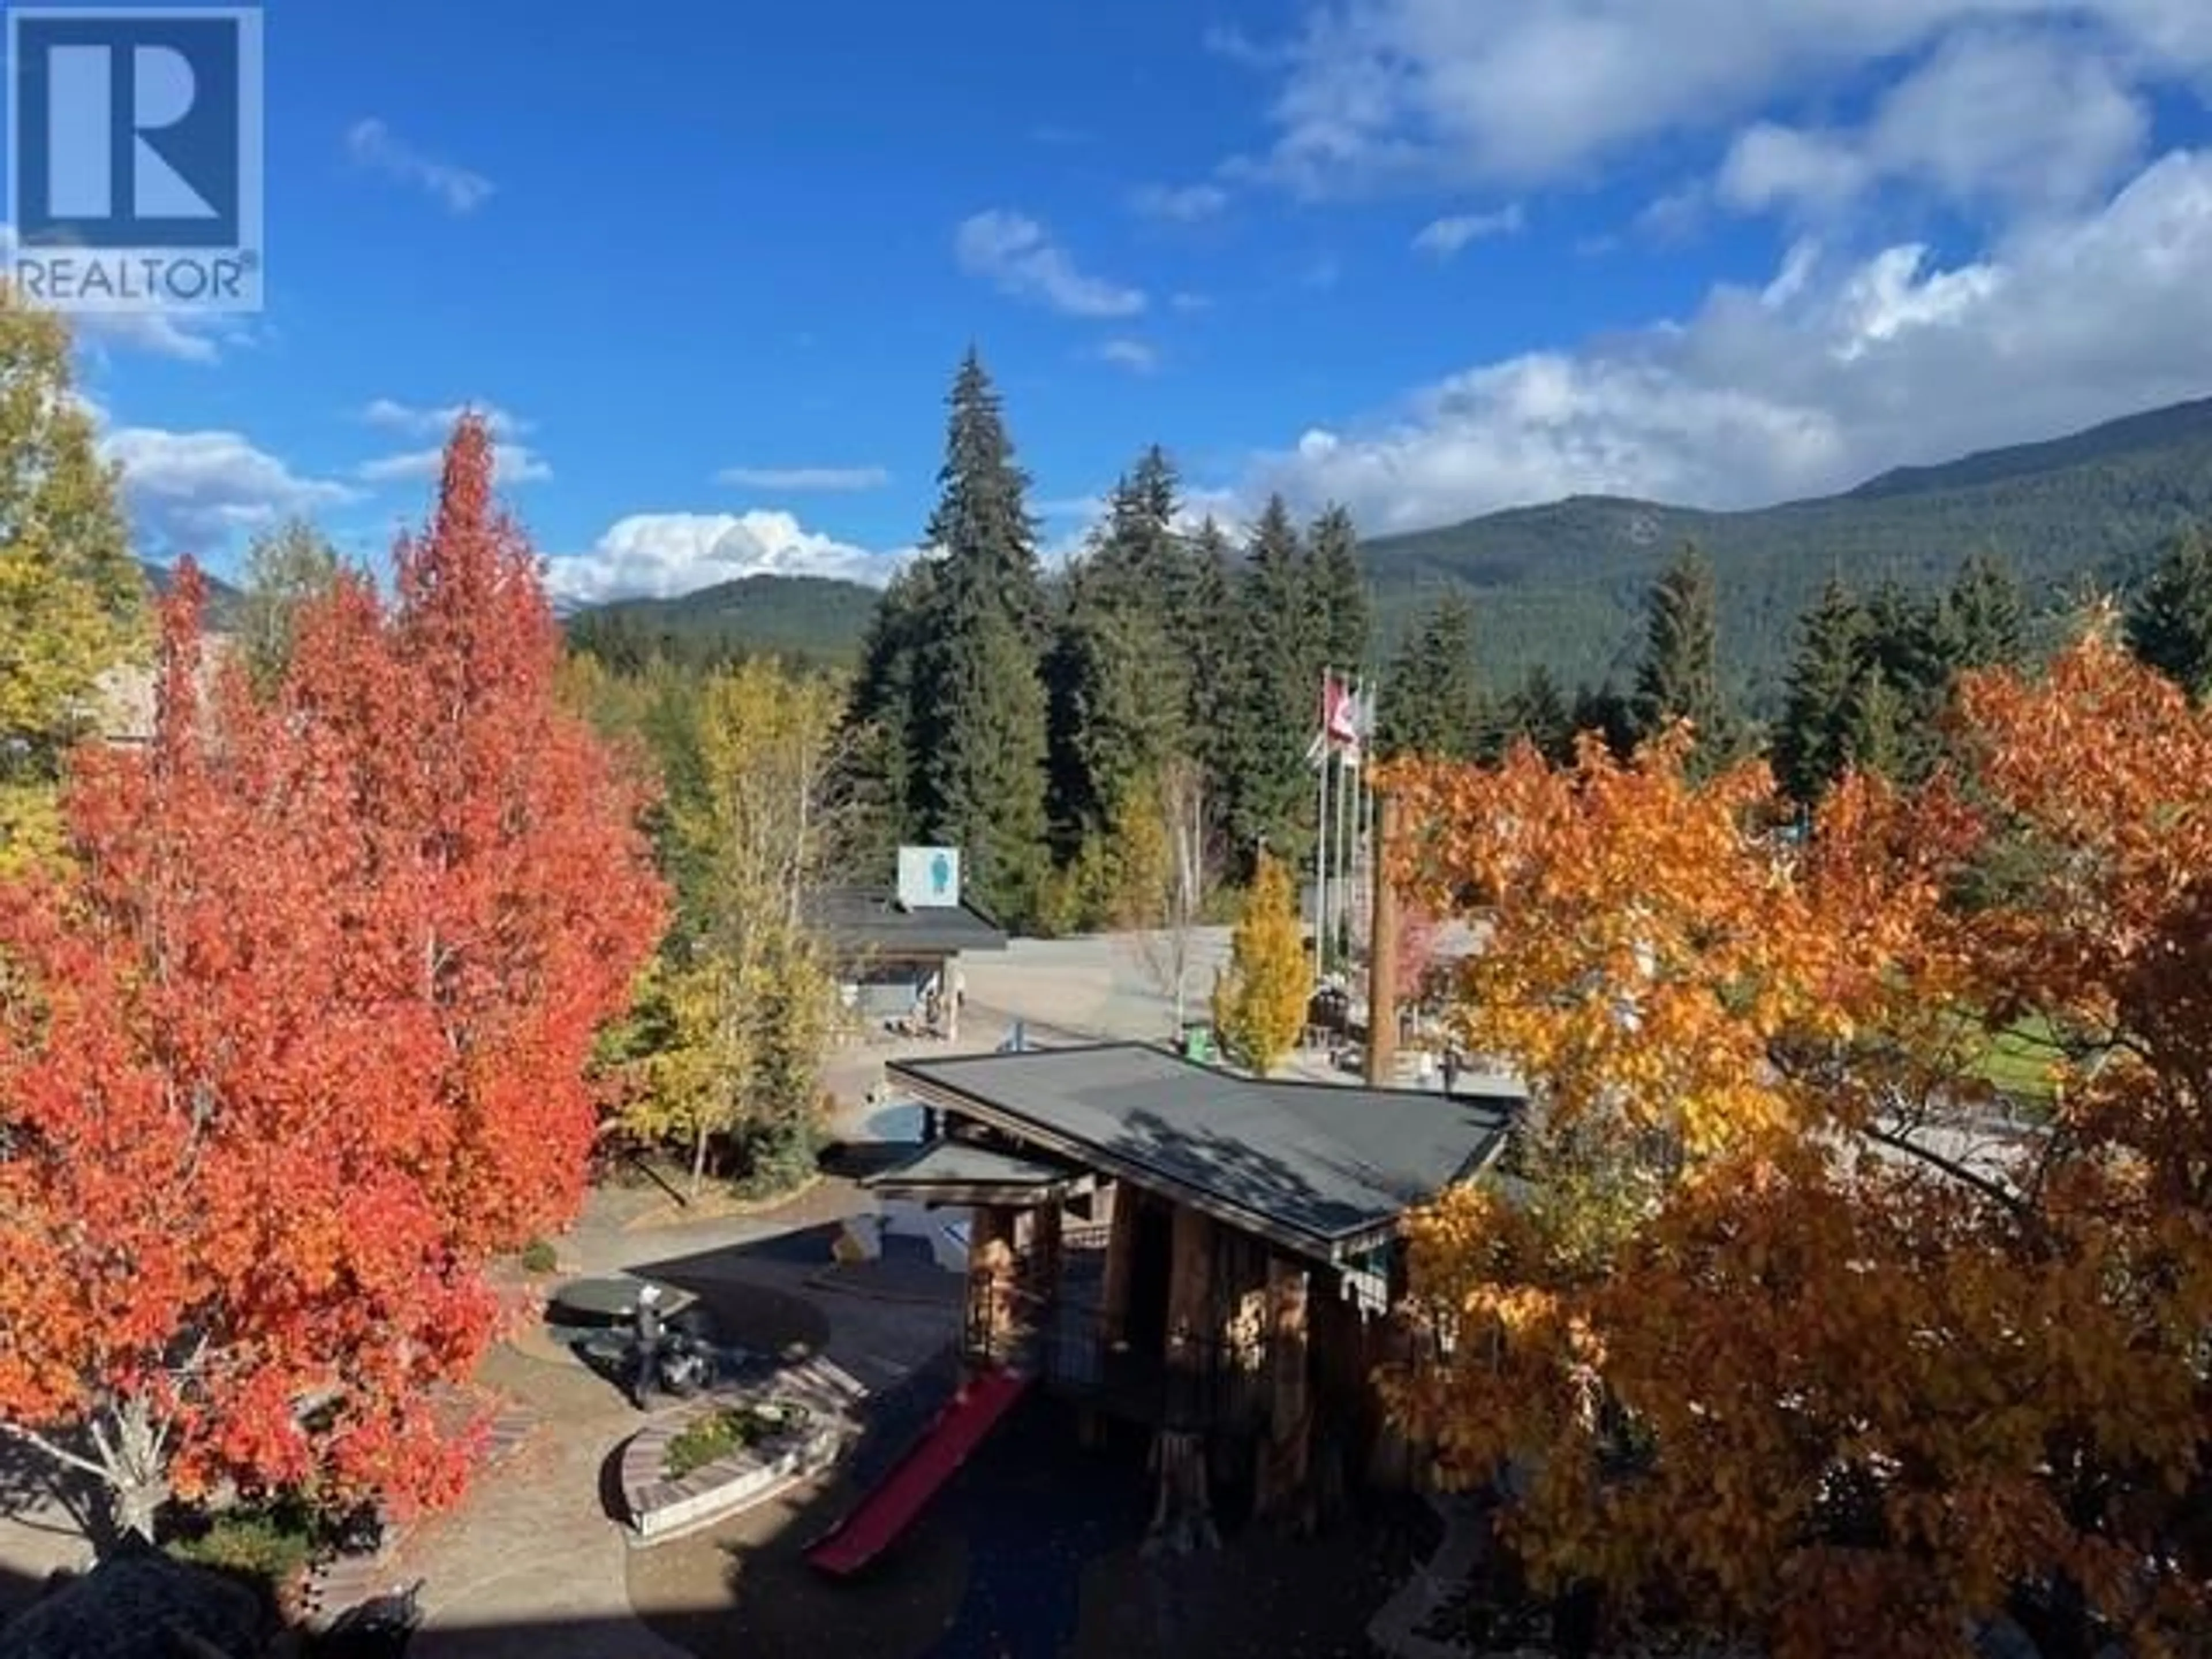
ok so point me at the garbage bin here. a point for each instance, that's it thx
(1198, 1043)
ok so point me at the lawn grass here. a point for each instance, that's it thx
(2016, 1061)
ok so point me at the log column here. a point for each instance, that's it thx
(1183, 1517)
(1282, 1486)
(1121, 1203)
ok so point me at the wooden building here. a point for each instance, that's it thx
(1215, 1256)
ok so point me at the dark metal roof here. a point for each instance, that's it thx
(962, 1172)
(870, 919)
(1320, 1167)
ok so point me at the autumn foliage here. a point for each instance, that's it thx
(1790, 1331)
(298, 1037)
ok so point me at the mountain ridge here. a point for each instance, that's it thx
(1562, 583)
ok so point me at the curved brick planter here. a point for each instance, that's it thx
(659, 1507)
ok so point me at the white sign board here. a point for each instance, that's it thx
(929, 877)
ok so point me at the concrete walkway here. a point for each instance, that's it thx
(531, 1565)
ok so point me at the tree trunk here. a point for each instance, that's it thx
(135, 1468)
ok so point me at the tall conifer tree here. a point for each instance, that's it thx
(2170, 625)
(1680, 675)
(979, 707)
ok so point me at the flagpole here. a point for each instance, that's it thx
(1346, 781)
(1321, 845)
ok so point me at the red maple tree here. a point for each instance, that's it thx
(298, 1037)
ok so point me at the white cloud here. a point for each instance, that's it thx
(1019, 255)
(431, 421)
(661, 554)
(1375, 92)
(1188, 303)
(804, 477)
(2026, 122)
(194, 492)
(1440, 238)
(1834, 370)
(1134, 356)
(373, 144)
(511, 464)
(1184, 204)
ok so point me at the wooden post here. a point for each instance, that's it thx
(1121, 1202)
(1382, 957)
(1281, 1486)
(1183, 1517)
(1045, 1252)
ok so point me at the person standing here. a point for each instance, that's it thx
(649, 1331)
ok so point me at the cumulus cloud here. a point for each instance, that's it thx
(196, 492)
(661, 554)
(1835, 369)
(2022, 121)
(1020, 258)
(374, 145)
(511, 464)
(1440, 238)
(437, 421)
(804, 477)
(1370, 93)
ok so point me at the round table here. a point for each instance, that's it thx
(609, 1301)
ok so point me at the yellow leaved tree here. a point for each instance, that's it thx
(737, 1016)
(1789, 1331)
(1260, 1003)
(71, 598)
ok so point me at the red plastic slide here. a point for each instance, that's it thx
(875, 1523)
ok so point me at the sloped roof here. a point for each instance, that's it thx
(855, 919)
(134, 1606)
(1323, 1169)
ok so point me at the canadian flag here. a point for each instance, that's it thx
(1339, 722)
(1339, 713)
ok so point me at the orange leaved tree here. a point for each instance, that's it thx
(296, 1037)
(1790, 1332)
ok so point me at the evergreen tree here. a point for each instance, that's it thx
(1603, 709)
(1337, 593)
(882, 756)
(1908, 644)
(2170, 625)
(1279, 708)
(1875, 738)
(981, 522)
(1538, 712)
(1679, 676)
(1811, 746)
(1207, 624)
(1985, 616)
(1432, 700)
(978, 707)
(1115, 673)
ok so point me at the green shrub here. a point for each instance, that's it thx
(719, 1433)
(538, 1257)
(273, 1545)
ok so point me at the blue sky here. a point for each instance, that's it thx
(713, 264)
